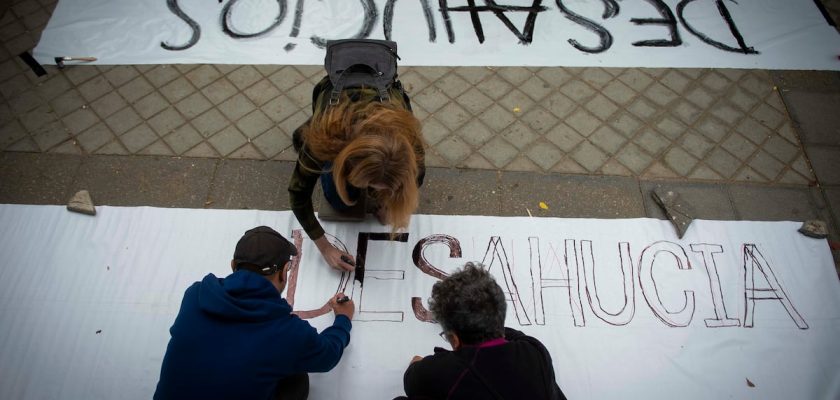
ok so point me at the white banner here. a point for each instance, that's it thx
(768, 34)
(627, 310)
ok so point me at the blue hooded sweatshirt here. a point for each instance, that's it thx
(234, 338)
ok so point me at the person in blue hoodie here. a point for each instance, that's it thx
(236, 337)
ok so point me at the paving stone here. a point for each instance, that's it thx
(747, 174)
(601, 107)
(36, 118)
(780, 148)
(536, 88)
(794, 178)
(554, 76)
(434, 131)
(453, 149)
(660, 95)
(632, 157)
(25, 145)
(280, 108)
(165, 122)
(37, 178)
(261, 92)
(161, 75)
(67, 103)
(766, 165)
(108, 104)
(25, 101)
(79, 120)
(739, 146)
(652, 142)
(686, 112)
(95, 137)
(619, 92)
(50, 135)
(577, 91)
(742, 99)
(453, 116)
(236, 107)
(636, 79)
(715, 81)
(254, 124)
(138, 138)
(272, 142)
(680, 161)
(825, 161)
(696, 144)
(564, 137)
(703, 172)
(671, 128)
(150, 105)
(183, 139)
(657, 170)
(607, 139)
(158, 148)
(121, 74)
(712, 128)
(287, 78)
(202, 150)
(193, 105)
(146, 181)
(247, 152)
(53, 87)
(516, 100)
(701, 97)
(519, 135)
(452, 85)
(592, 197)
(10, 133)
(568, 166)
(112, 148)
(432, 73)
(761, 203)
(227, 140)
(473, 75)
(675, 81)
(289, 125)
(78, 74)
(514, 75)
(431, 98)
(643, 109)
(589, 156)
(625, 123)
(544, 154)
(522, 163)
(497, 118)
(459, 192)
(709, 201)
(595, 77)
(95, 88)
(474, 101)
(498, 151)
(474, 133)
(559, 105)
(123, 120)
(474, 161)
(539, 120)
(759, 86)
(262, 185)
(244, 77)
(583, 122)
(139, 88)
(219, 91)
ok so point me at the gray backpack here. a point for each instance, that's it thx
(356, 63)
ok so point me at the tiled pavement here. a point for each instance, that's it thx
(720, 125)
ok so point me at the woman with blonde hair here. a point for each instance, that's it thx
(359, 146)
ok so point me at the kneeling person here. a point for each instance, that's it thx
(236, 338)
(488, 361)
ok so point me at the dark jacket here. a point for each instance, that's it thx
(234, 338)
(518, 369)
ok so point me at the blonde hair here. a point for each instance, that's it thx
(371, 143)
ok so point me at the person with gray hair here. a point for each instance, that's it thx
(488, 360)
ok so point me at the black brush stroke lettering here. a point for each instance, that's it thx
(196, 29)
(388, 19)
(525, 36)
(368, 275)
(605, 38)
(668, 19)
(298, 19)
(371, 14)
(727, 17)
(227, 25)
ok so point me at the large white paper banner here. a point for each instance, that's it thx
(771, 34)
(627, 310)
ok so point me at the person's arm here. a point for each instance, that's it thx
(301, 186)
(324, 350)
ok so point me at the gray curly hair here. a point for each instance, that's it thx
(470, 304)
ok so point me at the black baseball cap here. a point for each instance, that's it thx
(264, 248)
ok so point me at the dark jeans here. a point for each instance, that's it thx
(331, 193)
(295, 387)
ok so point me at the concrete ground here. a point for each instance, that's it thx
(590, 142)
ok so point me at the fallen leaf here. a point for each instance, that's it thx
(543, 205)
(517, 109)
(749, 383)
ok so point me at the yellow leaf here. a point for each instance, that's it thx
(543, 205)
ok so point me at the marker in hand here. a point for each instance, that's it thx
(343, 300)
(348, 260)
